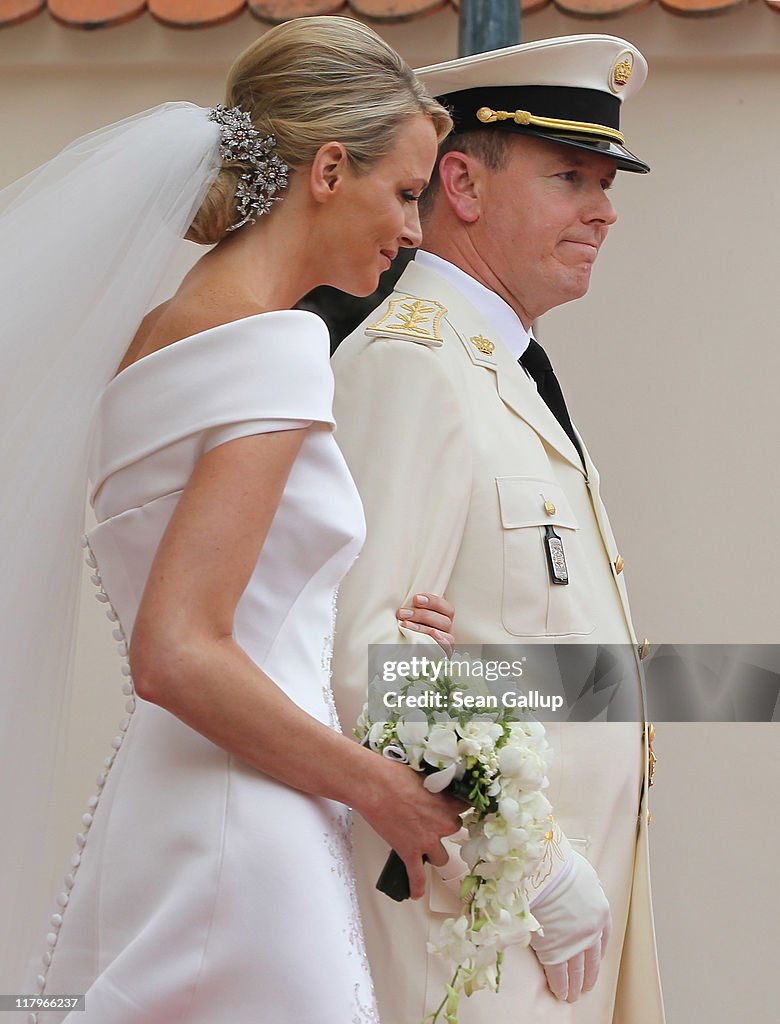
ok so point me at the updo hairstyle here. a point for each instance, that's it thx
(311, 81)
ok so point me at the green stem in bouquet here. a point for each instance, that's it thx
(450, 1004)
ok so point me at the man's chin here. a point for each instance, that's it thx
(576, 285)
(553, 298)
(573, 274)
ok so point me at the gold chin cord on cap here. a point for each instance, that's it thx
(524, 117)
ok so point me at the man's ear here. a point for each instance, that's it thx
(459, 175)
(328, 170)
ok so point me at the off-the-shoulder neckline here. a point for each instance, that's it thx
(127, 372)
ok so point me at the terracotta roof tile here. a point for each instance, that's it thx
(195, 13)
(531, 6)
(700, 8)
(12, 12)
(395, 10)
(95, 13)
(277, 11)
(599, 8)
(88, 14)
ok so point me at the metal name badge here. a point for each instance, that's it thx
(556, 557)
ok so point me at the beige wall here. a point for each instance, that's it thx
(671, 365)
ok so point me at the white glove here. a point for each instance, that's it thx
(574, 914)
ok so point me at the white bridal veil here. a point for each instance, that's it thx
(84, 241)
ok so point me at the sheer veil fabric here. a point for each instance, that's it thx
(84, 242)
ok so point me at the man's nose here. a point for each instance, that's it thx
(601, 208)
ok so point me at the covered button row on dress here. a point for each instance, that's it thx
(63, 897)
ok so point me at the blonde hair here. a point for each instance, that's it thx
(315, 80)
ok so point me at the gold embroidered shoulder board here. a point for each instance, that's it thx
(408, 317)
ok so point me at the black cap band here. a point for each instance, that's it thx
(563, 103)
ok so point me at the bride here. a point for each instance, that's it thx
(212, 878)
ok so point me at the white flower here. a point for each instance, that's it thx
(483, 976)
(521, 764)
(478, 737)
(454, 940)
(437, 781)
(442, 747)
(411, 734)
(508, 808)
(499, 846)
(474, 850)
(375, 735)
(512, 930)
(394, 752)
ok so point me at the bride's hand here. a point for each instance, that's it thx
(430, 614)
(396, 804)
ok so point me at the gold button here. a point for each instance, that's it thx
(644, 649)
(549, 508)
(619, 563)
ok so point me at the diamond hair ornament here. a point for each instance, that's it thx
(267, 174)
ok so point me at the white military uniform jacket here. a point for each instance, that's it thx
(458, 462)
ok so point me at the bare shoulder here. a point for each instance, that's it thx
(184, 316)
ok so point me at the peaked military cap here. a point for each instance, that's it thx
(569, 90)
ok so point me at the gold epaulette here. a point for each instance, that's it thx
(409, 317)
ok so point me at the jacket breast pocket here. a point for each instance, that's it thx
(531, 604)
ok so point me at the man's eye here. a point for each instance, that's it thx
(410, 197)
(568, 175)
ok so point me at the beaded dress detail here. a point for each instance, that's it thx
(202, 890)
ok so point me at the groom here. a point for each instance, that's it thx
(513, 222)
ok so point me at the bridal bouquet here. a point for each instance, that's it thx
(449, 726)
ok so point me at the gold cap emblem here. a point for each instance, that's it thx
(620, 72)
(549, 507)
(483, 345)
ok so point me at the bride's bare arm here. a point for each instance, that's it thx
(184, 658)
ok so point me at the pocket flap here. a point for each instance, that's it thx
(531, 501)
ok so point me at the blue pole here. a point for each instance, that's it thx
(487, 25)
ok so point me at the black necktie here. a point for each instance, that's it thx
(537, 363)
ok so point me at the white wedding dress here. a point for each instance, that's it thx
(205, 892)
